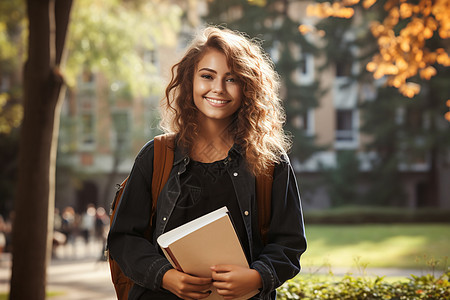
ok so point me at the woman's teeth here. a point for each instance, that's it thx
(216, 101)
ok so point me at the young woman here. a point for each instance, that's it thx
(223, 105)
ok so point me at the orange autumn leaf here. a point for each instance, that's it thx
(409, 89)
(447, 116)
(428, 72)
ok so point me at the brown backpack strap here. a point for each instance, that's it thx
(164, 146)
(264, 197)
(117, 197)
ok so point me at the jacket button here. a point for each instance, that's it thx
(246, 213)
(164, 219)
(235, 174)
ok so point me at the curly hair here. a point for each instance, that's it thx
(257, 126)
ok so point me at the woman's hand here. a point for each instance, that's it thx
(186, 286)
(234, 281)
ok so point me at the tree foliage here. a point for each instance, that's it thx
(11, 113)
(112, 37)
(342, 179)
(11, 59)
(403, 38)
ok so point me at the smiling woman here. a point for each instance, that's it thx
(222, 106)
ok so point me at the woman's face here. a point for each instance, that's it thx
(217, 92)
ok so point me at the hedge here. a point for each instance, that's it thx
(364, 288)
(365, 214)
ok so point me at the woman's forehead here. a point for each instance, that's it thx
(213, 59)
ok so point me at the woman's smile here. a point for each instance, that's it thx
(217, 102)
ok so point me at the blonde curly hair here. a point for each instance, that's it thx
(257, 126)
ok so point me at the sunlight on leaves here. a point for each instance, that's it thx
(261, 3)
(447, 114)
(402, 54)
(304, 29)
(7, 48)
(324, 10)
(10, 114)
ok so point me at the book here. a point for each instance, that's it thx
(209, 240)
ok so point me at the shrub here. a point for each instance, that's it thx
(363, 288)
(373, 214)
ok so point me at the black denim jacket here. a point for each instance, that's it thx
(139, 259)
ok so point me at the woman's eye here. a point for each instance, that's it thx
(206, 76)
(231, 80)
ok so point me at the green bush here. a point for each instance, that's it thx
(374, 215)
(363, 288)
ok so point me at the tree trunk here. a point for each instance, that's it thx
(34, 203)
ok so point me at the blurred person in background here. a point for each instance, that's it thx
(101, 230)
(59, 238)
(2, 234)
(87, 223)
(69, 226)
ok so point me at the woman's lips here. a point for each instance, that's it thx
(216, 102)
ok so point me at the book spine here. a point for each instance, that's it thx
(173, 259)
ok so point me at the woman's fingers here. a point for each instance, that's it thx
(186, 286)
(235, 281)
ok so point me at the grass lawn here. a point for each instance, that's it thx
(378, 245)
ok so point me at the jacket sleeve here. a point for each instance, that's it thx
(137, 257)
(280, 257)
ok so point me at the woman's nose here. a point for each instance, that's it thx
(218, 87)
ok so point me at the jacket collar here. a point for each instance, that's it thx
(181, 154)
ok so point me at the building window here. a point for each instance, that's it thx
(415, 118)
(87, 130)
(344, 125)
(343, 69)
(304, 72)
(346, 128)
(86, 105)
(150, 57)
(122, 130)
(87, 77)
(305, 121)
(306, 68)
(302, 66)
(274, 51)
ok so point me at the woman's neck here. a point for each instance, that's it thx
(213, 142)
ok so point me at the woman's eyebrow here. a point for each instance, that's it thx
(208, 69)
(212, 71)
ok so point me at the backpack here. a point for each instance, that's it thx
(162, 165)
